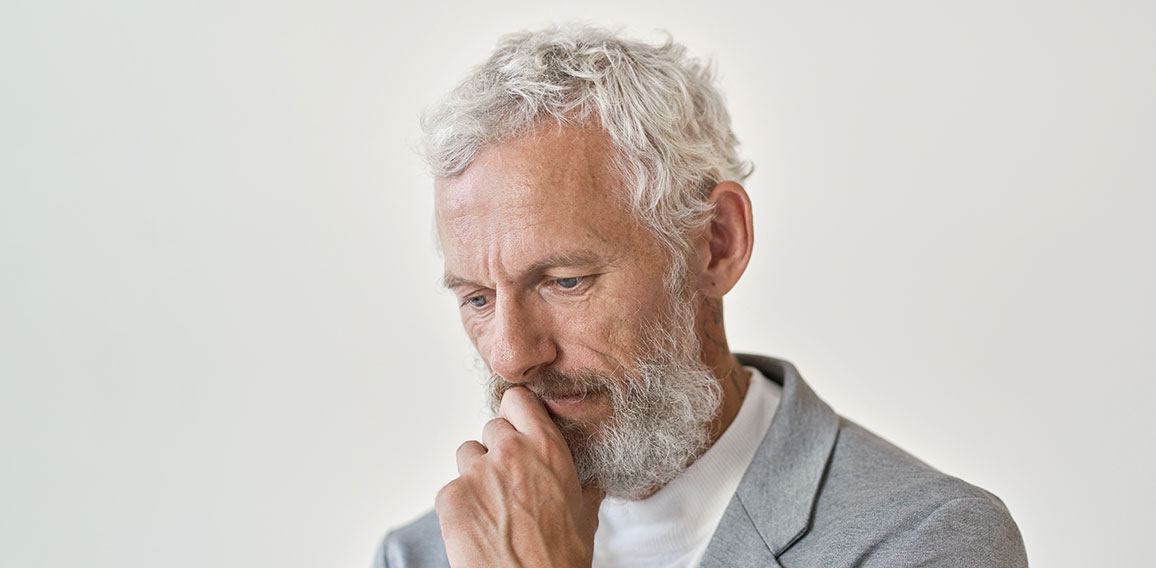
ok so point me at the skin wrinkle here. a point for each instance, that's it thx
(575, 140)
(713, 327)
(630, 429)
(733, 377)
(625, 329)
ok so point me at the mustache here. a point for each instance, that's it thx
(552, 383)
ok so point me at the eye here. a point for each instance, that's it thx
(478, 301)
(568, 283)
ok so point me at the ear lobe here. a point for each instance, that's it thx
(730, 239)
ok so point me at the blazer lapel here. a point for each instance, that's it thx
(775, 499)
(737, 541)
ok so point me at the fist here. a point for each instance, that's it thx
(517, 500)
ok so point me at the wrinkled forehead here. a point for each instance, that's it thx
(537, 199)
(549, 175)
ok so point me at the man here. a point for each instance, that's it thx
(589, 209)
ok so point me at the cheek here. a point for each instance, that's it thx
(626, 326)
(622, 331)
(611, 329)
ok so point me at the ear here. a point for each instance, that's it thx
(724, 248)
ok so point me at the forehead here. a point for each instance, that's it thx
(548, 167)
(551, 191)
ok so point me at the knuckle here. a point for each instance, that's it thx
(469, 456)
(448, 496)
(510, 453)
(496, 433)
(465, 447)
(506, 457)
(495, 426)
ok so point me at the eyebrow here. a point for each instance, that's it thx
(556, 260)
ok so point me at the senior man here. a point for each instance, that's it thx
(590, 212)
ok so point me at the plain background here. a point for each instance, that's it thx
(222, 342)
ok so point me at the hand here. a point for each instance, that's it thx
(517, 501)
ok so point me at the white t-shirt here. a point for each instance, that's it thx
(674, 526)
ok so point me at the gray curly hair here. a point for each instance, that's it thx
(666, 120)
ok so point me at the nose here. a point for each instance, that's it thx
(519, 341)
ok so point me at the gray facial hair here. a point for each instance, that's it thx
(661, 411)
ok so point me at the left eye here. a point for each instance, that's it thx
(568, 283)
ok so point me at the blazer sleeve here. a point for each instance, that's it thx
(379, 560)
(972, 532)
(416, 545)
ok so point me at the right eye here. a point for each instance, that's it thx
(478, 301)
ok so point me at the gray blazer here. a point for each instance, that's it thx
(820, 492)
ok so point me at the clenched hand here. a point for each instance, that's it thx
(517, 500)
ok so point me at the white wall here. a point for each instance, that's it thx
(222, 342)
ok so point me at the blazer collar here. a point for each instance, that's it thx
(776, 497)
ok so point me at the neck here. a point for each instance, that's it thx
(732, 377)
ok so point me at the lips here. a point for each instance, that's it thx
(560, 396)
(571, 405)
(565, 398)
(557, 392)
(577, 396)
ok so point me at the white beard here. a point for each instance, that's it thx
(661, 411)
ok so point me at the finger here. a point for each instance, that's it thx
(468, 453)
(495, 430)
(527, 414)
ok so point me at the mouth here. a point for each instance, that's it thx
(572, 405)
